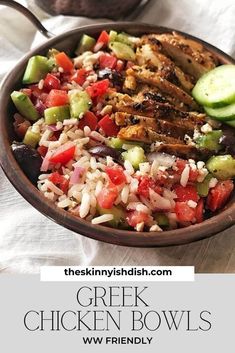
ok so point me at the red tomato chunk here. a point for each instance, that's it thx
(219, 195)
(80, 76)
(51, 82)
(103, 38)
(64, 61)
(199, 211)
(107, 197)
(60, 181)
(107, 61)
(63, 157)
(56, 98)
(116, 175)
(183, 212)
(89, 119)
(108, 126)
(135, 217)
(186, 193)
(98, 88)
(145, 184)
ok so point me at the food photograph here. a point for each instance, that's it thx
(117, 134)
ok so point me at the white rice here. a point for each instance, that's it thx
(85, 205)
(102, 219)
(185, 176)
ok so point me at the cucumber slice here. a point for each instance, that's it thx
(203, 187)
(80, 102)
(112, 36)
(222, 167)
(216, 88)
(119, 216)
(210, 141)
(31, 138)
(124, 38)
(230, 123)
(86, 43)
(54, 114)
(24, 105)
(122, 51)
(36, 69)
(222, 114)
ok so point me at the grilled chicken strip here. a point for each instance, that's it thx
(191, 56)
(154, 79)
(148, 55)
(161, 126)
(144, 134)
(184, 151)
(151, 109)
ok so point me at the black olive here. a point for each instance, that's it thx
(104, 151)
(29, 160)
(227, 140)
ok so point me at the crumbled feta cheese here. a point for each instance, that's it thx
(212, 183)
(206, 128)
(192, 204)
(200, 164)
(202, 174)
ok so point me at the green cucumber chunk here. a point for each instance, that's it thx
(31, 138)
(54, 114)
(118, 143)
(36, 69)
(124, 38)
(161, 219)
(86, 43)
(51, 62)
(203, 187)
(112, 36)
(24, 105)
(216, 88)
(221, 167)
(135, 156)
(80, 103)
(119, 216)
(222, 114)
(210, 141)
(122, 51)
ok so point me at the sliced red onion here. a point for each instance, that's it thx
(52, 128)
(159, 202)
(40, 107)
(163, 159)
(98, 46)
(46, 162)
(76, 175)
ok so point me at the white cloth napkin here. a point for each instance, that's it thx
(29, 240)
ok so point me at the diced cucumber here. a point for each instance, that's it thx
(36, 69)
(119, 216)
(135, 156)
(51, 62)
(124, 38)
(222, 114)
(86, 43)
(217, 87)
(112, 36)
(161, 219)
(210, 140)
(203, 187)
(122, 51)
(24, 105)
(54, 114)
(80, 102)
(222, 167)
(31, 138)
(115, 142)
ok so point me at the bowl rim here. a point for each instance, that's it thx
(30, 193)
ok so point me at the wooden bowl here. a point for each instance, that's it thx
(67, 41)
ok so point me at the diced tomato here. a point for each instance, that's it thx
(119, 66)
(89, 119)
(98, 88)
(107, 61)
(186, 193)
(161, 178)
(116, 175)
(42, 150)
(199, 211)
(108, 126)
(63, 157)
(183, 212)
(135, 217)
(64, 61)
(56, 98)
(51, 82)
(79, 76)
(193, 173)
(219, 195)
(145, 184)
(60, 181)
(107, 197)
(103, 38)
